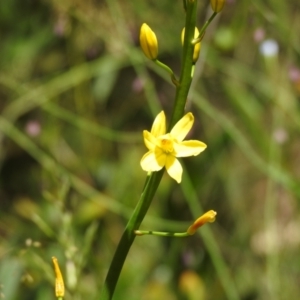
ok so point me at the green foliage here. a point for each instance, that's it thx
(76, 93)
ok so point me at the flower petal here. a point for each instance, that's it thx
(188, 148)
(182, 127)
(149, 162)
(159, 125)
(174, 168)
(149, 140)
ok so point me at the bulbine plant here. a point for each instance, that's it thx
(165, 143)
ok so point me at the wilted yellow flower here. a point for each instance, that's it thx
(208, 217)
(165, 147)
(148, 42)
(59, 282)
(217, 5)
(197, 46)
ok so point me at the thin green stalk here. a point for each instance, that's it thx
(161, 233)
(202, 31)
(169, 70)
(153, 182)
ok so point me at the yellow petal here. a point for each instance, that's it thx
(174, 168)
(149, 162)
(182, 127)
(149, 140)
(159, 125)
(188, 148)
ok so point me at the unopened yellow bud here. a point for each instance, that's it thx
(148, 42)
(197, 47)
(208, 217)
(59, 282)
(217, 5)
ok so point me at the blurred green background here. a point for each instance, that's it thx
(76, 93)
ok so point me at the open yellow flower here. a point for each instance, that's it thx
(165, 147)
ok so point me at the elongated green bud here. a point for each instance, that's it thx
(148, 42)
(197, 46)
(217, 5)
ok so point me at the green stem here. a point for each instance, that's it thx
(169, 70)
(153, 181)
(128, 236)
(202, 31)
(185, 78)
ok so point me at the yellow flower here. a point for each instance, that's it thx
(197, 47)
(148, 42)
(217, 5)
(165, 147)
(208, 217)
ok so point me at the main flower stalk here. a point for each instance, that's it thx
(153, 180)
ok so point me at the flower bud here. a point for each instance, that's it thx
(59, 282)
(217, 5)
(148, 42)
(208, 217)
(196, 47)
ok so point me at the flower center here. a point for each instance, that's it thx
(166, 145)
